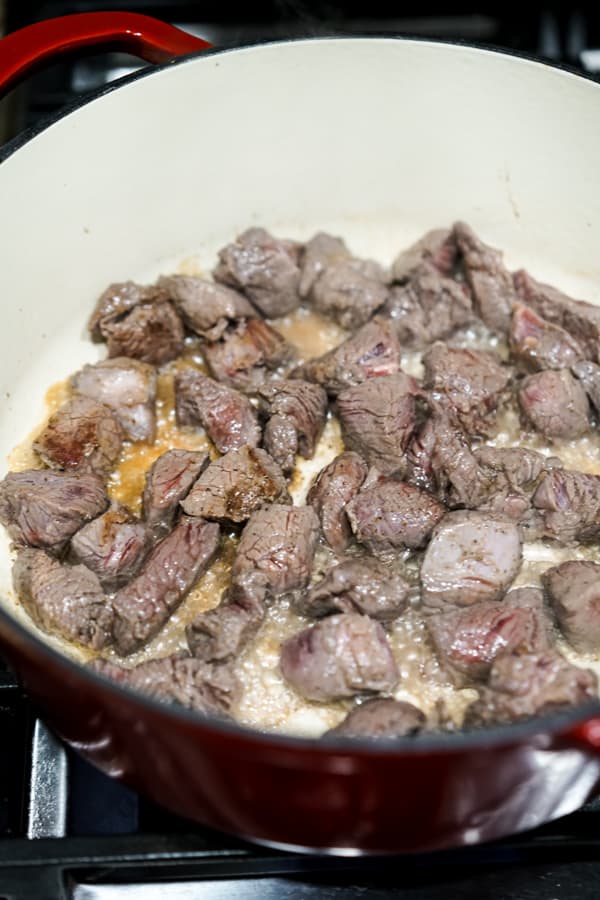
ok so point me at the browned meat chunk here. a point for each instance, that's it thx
(235, 485)
(350, 291)
(469, 382)
(538, 344)
(208, 689)
(322, 251)
(222, 633)
(143, 606)
(82, 436)
(168, 482)
(530, 684)
(555, 404)
(428, 307)
(378, 419)
(588, 374)
(371, 352)
(573, 589)
(339, 657)
(128, 387)
(380, 718)
(64, 600)
(246, 353)
(118, 300)
(229, 418)
(334, 487)
(439, 458)
(570, 505)
(264, 268)
(392, 515)
(472, 556)
(113, 546)
(205, 307)
(45, 509)
(152, 333)
(297, 412)
(491, 283)
(357, 585)
(280, 542)
(437, 250)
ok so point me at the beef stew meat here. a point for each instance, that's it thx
(437, 250)
(128, 388)
(381, 718)
(555, 404)
(168, 482)
(297, 411)
(228, 417)
(118, 300)
(573, 589)
(206, 308)
(569, 506)
(427, 308)
(537, 344)
(331, 492)
(220, 634)
(491, 283)
(357, 585)
(246, 353)
(152, 333)
(588, 374)
(113, 546)
(319, 253)
(350, 291)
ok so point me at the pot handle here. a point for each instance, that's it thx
(588, 733)
(33, 46)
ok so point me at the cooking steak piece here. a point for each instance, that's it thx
(469, 382)
(205, 307)
(45, 509)
(537, 344)
(297, 412)
(350, 291)
(235, 485)
(555, 404)
(174, 565)
(246, 353)
(436, 249)
(468, 640)
(573, 589)
(339, 657)
(128, 387)
(471, 556)
(378, 418)
(580, 319)
(118, 300)
(168, 482)
(228, 417)
(319, 253)
(264, 268)
(357, 585)
(569, 503)
(371, 352)
(439, 459)
(208, 689)
(490, 281)
(334, 487)
(381, 718)
(510, 478)
(392, 515)
(588, 374)
(82, 436)
(152, 333)
(427, 308)
(67, 601)
(280, 542)
(220, 634)
(113, 546)
(523, 685)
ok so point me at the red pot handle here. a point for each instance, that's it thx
(588, 733)
(31, 47)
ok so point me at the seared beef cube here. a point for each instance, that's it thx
(350, 291)
(322, 251)
(235, 485)
(538, 344)
(468, 640)
(472, 556)
(280, 542)
(511, 476)
(221, 633)
(152, 333)
(205, 307)
(168, 482)
(378, 419)
(440, 460)
(380, 718)
(113, 546)
(428, 307)
(570, 505)
(227, 416)
(490, 281)
(45, 509)
(334, 487)
(436, 249)
(392, 515)
(371, 352)
(469, 382)
(588, 374)
(118, 300)
(357, 585)
(246, 353)
(555, 404)
(143, 606)
(208, 689)
(523, 685)
(82, 436)
(264, 268)
(339, 657)
(580, 319)
(128, 387)
(67, 601)
(297, 411)
(573, 589)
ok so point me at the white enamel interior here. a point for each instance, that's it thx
(376, 139)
